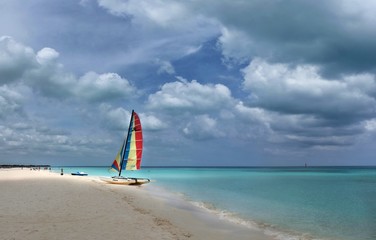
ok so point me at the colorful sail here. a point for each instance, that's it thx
(130, 153)
(133, 150)
(117, 162)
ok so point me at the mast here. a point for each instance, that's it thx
(126, 143)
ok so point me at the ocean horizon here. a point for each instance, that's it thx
(289, 202)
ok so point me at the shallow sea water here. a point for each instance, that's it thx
(288, 203)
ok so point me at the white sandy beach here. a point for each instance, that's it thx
(45, 205)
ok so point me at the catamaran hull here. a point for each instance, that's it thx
(126, 181)
(79, 174)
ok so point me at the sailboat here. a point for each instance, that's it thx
(129, 155)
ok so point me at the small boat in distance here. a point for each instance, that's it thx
(79, 173)
(129, 155)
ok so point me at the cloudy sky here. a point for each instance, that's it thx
(230, 82)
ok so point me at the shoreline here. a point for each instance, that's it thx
(43, 205)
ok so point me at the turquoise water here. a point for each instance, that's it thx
(291, 203)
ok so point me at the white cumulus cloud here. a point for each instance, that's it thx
(193, 96)
(47, 55)
(99, 87)
(203, 127)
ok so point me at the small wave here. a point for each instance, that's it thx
(181, 200)
(268, 229)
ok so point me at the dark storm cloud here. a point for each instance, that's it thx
(305, 131)
(15, 60)
(337, 35)
(308, 110)
(302, 90)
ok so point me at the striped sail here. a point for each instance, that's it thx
(130, 153)
(117, 162)
(133, 150)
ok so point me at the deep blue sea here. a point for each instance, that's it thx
(290, 203)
